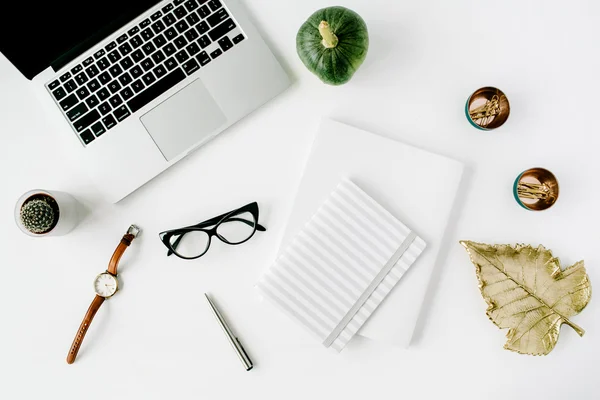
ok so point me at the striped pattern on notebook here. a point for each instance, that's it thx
(341, 266)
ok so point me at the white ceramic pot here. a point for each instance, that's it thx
(68, 212)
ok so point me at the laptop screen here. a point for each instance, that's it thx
(45, 33)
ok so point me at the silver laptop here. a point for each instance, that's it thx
(138, 87)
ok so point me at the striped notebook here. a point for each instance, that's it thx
(341, 266)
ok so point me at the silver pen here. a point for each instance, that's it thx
(235, 342)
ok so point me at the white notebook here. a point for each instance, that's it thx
(415, 186)
(341, 265)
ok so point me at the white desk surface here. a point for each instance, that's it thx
(157, 339)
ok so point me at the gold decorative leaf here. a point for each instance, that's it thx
(527, 292)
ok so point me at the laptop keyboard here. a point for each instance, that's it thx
(141, 64)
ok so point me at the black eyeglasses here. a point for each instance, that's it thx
(235, 227)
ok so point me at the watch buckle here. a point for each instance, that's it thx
(134, 230)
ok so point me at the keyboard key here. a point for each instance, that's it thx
(122, 38)
(109, 121)
(103, 94)
(203, 58)
(222, 29)
(136, 41)
(137, 56)
(148, 79)
(180, 42)
(147, 34)
(159, 71)
(125, 79)
(121, 113)
(138, 86)
(92, 101)
(114, 86)
(110, 46)
(88, 61)
(92, 71)
(178, 2)
(202, 27)
(125, 49)
(93, 85)
(204, 12)
(171, 33)
(238, 38)
(99, 54)
(65, 77)
(69, 102)
(169, 49)
(59, 94)
(104, 108)
(77, 111)
(167, 8)
(126, 63)
(77, 69)
(114, 56)
(87, 136)
(217, 17)
(145, 23)
(105, 78)
(190, 66)
(86, 120)
(81, 78)
(191, 35)
(191, 5)
(158, 57)
(147, 64)
(70, 85)
(148, 48)
(159, 41)
(82, 92)
(225, 43)
(182, 26)
(180, 12)
(204, 41)
(214, 4)
(156, 16)
(192, 19)
(171, 64)
(169, 19)
(216, 53)
(102, 63)
(182, 56)
(156, 90)
(116, 70)
(158, 27)
(193, 49)
(133, 31)
(98, 129)
(115, 101)
(136, 71)
(126, 93)
(53, 85)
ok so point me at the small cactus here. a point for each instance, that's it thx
(38, 215)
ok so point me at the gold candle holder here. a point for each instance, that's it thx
(487, 108)
(536, 189)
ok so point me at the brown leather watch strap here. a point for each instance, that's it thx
(85, 324)
(116, 257)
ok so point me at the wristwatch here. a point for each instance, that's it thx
(105, 286)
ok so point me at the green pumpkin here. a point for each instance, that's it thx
(333, 43)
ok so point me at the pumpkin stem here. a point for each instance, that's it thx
(329, 38)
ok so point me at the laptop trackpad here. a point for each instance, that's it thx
(188, 117)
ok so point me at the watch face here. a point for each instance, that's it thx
(105, 285)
